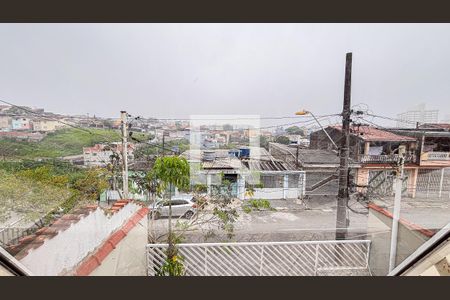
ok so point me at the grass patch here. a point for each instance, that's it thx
(257, 204)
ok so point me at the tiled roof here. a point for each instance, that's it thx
(436, 126)
(372, 134)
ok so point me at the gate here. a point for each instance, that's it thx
(433, 183)
(305, 258)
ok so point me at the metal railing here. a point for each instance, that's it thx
(385, 158)
(304, 258)
(435, 156)
(10, 235)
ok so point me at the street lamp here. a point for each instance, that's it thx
(305, 112)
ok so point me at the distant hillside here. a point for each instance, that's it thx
(59, 143)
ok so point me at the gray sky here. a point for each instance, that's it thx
(174, 70)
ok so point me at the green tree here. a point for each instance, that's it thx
(90, 183)
(283, 140)
(295, 130)
(263, 142)
(171, 171)
(227, 127)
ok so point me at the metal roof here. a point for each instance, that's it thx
(266, 165)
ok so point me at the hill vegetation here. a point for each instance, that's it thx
(60, 143)
(32, 189)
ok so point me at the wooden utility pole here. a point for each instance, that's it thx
(343, 195)
(123, 117)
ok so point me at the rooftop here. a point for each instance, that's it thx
(259, 160)
(267, 165)
(444, 126)
(372, 134)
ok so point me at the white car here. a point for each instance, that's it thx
(181, 207)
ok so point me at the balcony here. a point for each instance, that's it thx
(435, 159)
(435, 156)
(386, 158)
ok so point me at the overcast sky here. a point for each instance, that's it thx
(175, 70)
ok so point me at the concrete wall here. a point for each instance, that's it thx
(379, 228)
(128, 257)
(64, 251)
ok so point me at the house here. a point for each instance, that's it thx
(42, 125)
(22, 136)
(99, 155)
(5, 123)
(427, 157)
(297, 139)
(321, 166)
(21, 123)
(431, 177)
(246, 167)
(376, 151)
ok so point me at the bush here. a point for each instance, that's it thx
(257, 204)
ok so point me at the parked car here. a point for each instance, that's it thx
(181, 207)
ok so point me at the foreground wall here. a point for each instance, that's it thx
(410, 237)
(61, 253)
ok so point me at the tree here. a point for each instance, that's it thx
(283, 140)
(227, 127)
(91, 183)
(295, 130)
(264, 142)
(171, 171)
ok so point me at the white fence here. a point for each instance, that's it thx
(305, 258)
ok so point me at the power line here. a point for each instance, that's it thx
(53, 119)
(44, 117)
(234, 118)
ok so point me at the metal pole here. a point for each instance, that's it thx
(123, 115)
(441, 183)
(397, 205)
(342, 200)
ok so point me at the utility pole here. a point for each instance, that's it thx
(342, 200)
(398, 182)
(123, 117)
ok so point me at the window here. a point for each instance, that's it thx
(272, 181)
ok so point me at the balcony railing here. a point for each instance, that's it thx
(386, 158)
(435, 156)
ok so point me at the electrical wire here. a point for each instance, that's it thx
(53, 119)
